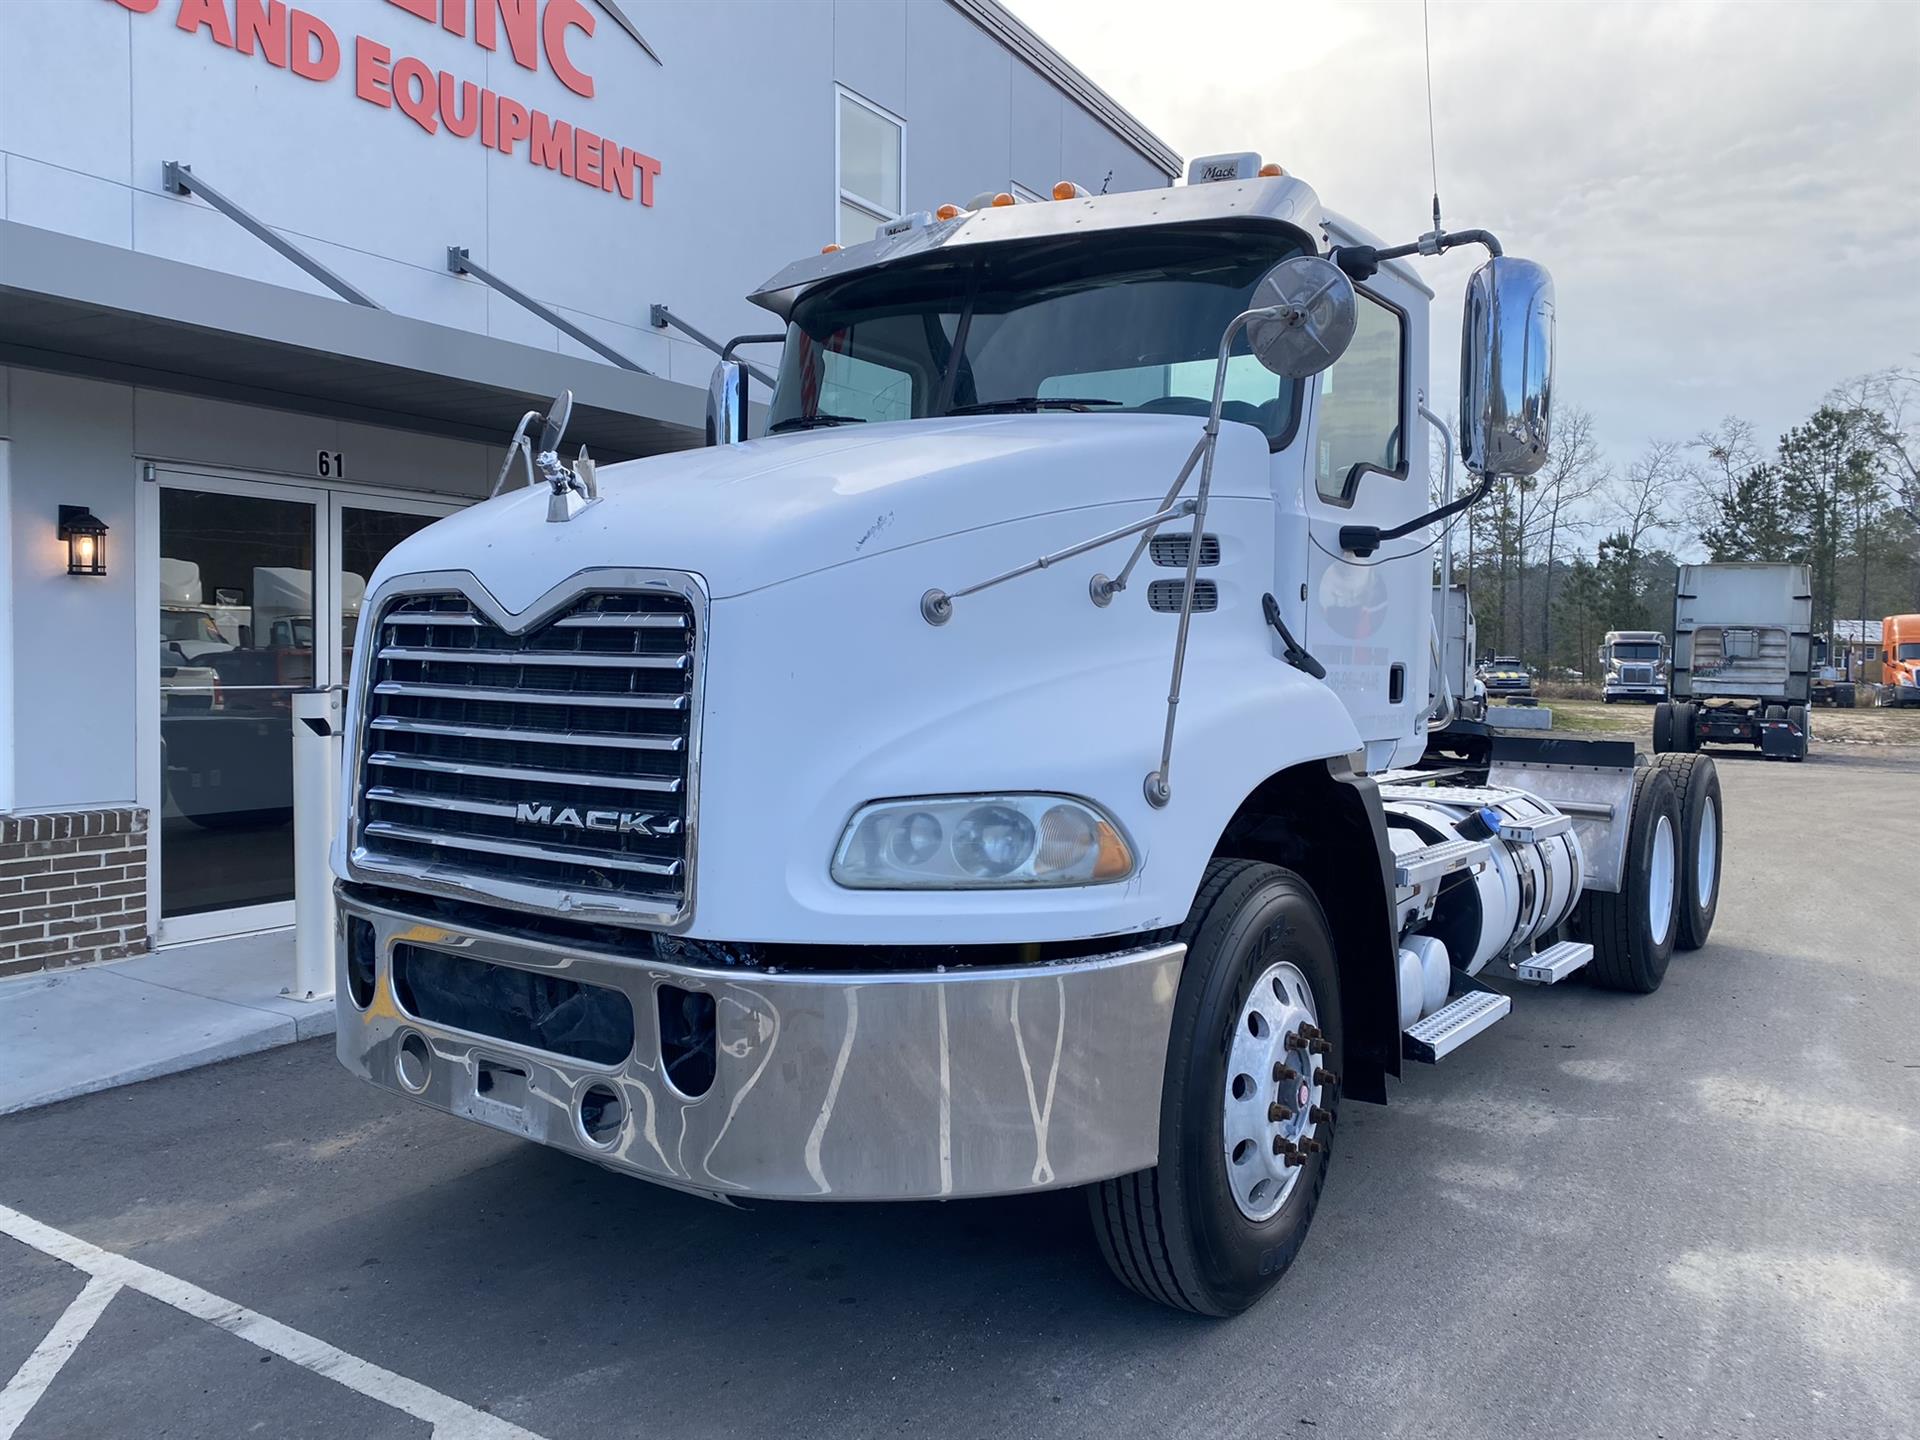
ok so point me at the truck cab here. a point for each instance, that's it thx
(1900, 660)
(1633, 666)
(998, 773)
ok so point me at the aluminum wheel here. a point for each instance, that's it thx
(1660, 878)
(1707, 864)
(1271, 1099)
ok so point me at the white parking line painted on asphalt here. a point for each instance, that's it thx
(108, 1272)
(33, 1377)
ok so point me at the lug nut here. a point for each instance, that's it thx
(1293, 1158)
(1319, 1116)
(1326, 1078)
(1282, 1145)
(1309, 1032)
(1311, 1146)
(1319, 1047)
(1283, 1073)
(1277, 1112)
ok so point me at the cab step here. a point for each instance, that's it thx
(1452, 1025)
(1431, 862)
(1553, 964)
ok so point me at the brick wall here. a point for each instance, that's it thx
(73, 888)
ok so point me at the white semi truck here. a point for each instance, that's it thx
(1006, 772)
(1633, 666)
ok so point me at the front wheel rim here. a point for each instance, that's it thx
(1267, 1112)
(1707, 864)
(1660, 875)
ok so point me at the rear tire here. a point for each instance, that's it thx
(1195, 1232)
(1797, 717)
(1662, 728)
(1702, 834)
(1632, 931)
(1684, 741)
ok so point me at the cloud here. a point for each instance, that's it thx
(1726, 193)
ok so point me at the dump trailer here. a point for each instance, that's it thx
(1633, 666)
(1742, 660)
(1900, 660)
(1008, 771)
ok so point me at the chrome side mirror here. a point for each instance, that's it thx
(1302, 317)
(727, 403)
(1506, 368)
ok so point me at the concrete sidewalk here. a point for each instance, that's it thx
(71, 1032)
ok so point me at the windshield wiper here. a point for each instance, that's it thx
(814, 422)
(1029, 402)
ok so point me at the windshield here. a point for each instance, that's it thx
(1910, 650)
(1127, 323)
(1637, 650)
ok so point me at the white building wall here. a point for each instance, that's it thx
(94, 98)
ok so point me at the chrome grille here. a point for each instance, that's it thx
(1636, 674)
(552, 766)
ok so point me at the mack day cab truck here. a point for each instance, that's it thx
(1003, 774)
(1742, 660)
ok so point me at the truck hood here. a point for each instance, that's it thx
(751, 515)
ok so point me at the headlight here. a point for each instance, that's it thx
(967, 842)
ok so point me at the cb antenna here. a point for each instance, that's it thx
(1433, 148)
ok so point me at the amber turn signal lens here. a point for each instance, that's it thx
(1270, 169)
(947, 212)
(1003, 198)
(828, 249)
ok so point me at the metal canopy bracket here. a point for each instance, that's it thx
(461, 263)
(663, 318)
(177, 178)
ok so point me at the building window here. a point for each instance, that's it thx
(870, 149)
(1360, 422)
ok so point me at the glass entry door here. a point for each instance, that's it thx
(261, 586)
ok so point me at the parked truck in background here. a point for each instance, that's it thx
(806, 817)
(1900, 660)
(1633, 666)
(1742, 660)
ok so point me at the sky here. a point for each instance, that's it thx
(1727, 194)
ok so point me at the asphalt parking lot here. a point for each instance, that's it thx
(1687, 1214)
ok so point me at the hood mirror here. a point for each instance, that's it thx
(727, 403)
(555, 427)
(1506, 368)
(1303, 316)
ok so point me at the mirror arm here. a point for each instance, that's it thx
(1363, 540)
(1361, 261)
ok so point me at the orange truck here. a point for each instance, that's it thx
(1900, 660)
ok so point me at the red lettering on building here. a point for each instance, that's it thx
(299, 41)
(562, 16)
(210, 13)
(265, 26)
(313, 50)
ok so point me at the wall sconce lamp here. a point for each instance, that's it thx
(86, 539)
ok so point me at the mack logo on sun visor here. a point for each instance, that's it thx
(623, 822)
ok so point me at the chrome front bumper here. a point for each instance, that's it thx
(877, 1086)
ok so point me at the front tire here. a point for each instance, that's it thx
(1218, 1220)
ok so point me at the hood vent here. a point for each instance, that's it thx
(1164, 595)
(1170, 551)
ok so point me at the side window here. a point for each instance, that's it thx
(1361, 423)
(869, 169)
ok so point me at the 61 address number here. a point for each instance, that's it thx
(330, 465)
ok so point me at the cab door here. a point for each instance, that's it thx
(1369, 618)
